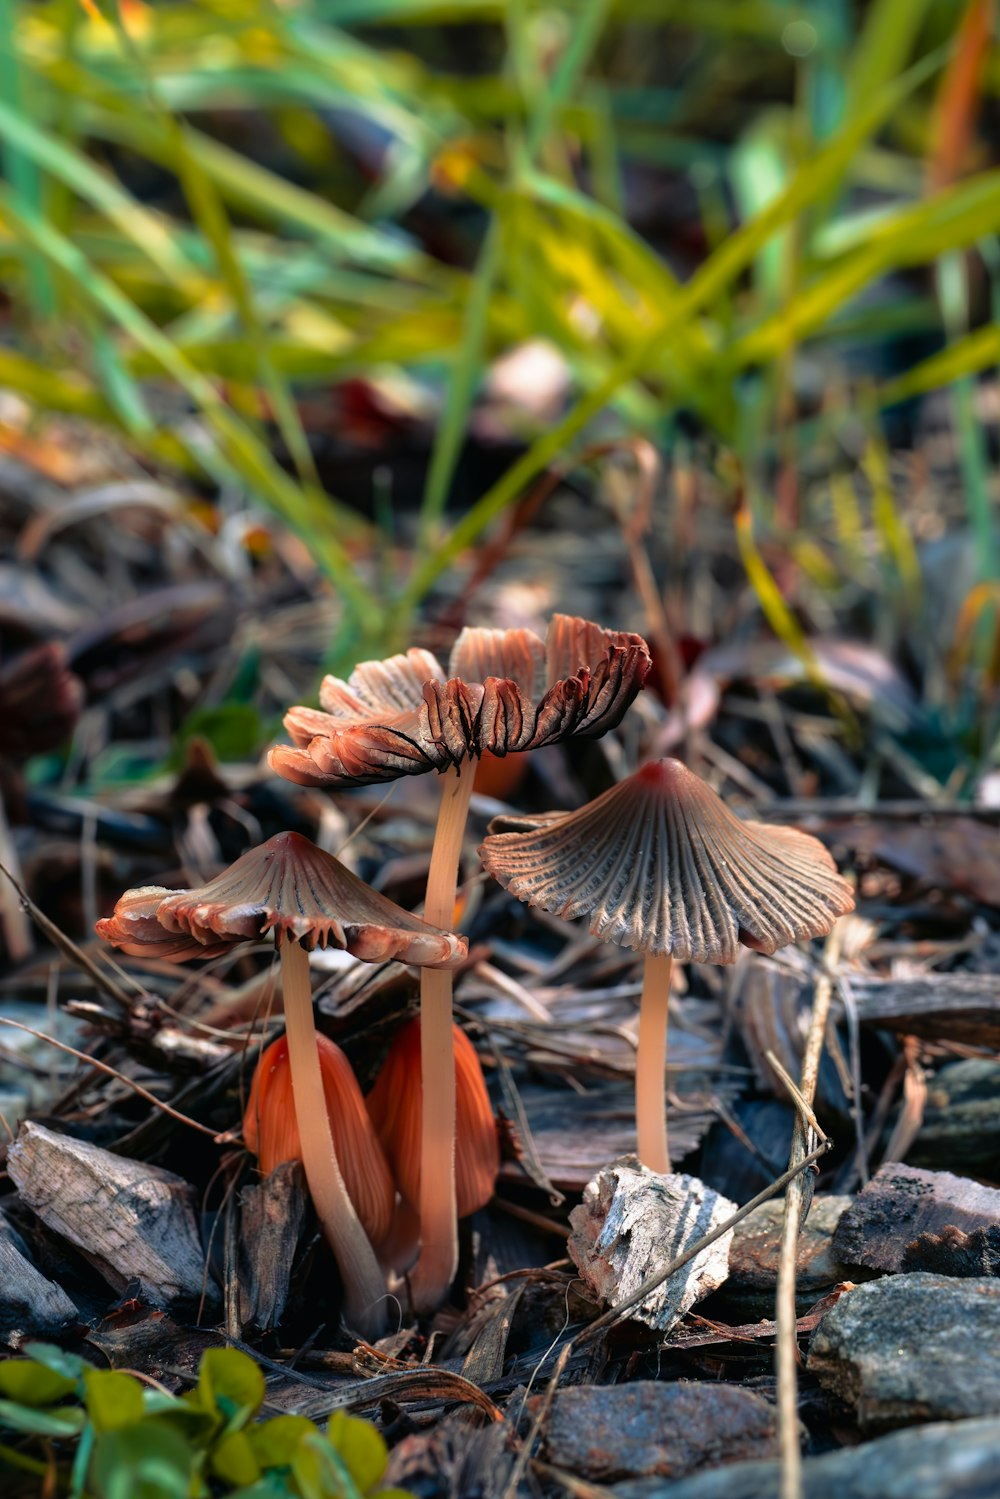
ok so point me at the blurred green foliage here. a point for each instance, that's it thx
(104, 1434)
(212, 206)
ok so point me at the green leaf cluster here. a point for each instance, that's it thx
(111, 1436)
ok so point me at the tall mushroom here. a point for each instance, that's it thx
(303, 897)
(505, 692)
(659, 863)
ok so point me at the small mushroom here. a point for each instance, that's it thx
(303, 897)
(394, 1106)
(271, 1132)
(506, 691)
(659, 863)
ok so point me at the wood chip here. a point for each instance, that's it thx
(133, 1221)
(633, 1222)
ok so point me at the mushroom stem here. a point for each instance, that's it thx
(364, 1285)
(650, 1063)
(435, 1270)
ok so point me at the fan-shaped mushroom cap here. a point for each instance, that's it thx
(134, 929)
(287, 888)
(270, 1130)
(394, 1106)
(659, 863)
(506, 691)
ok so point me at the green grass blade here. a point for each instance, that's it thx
(248, 456)
(815, 177)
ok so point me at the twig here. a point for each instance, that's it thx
(67, 946)
(158, 1103)
(785, 1315)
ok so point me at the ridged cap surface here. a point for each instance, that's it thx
(286, 888)
(659, 863)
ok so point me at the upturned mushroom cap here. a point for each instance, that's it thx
(271, 1133)
(394, 1106)
(289, 889)
(659, 863)
(505, 691)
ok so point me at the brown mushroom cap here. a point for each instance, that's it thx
(506, 691)
(660, 863)
(286, 888)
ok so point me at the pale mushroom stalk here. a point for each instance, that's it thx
(364, 1283)
(650, 1063)
(661, 865)
(438, 1262)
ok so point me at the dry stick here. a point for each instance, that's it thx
(364, 1284)
(650, 1063)
(786, 1321)
(16, 930)
(225, 1138)
(66, 945)
(438, 1262)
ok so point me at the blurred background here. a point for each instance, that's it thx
(327, 326)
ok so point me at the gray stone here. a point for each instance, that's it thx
(607, 1432)
(912, 1348)
(756, 1247)
(950, 1460)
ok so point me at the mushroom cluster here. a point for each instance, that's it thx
(658, 863)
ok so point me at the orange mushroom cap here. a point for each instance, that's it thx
(286, 888)
(660, 863)
(270, 1131)
(506, 691)
(394, 1106)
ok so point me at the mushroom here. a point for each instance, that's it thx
(506, 692)
(659, 863)
(271, 1132)
(292, 890)
(394, 1106)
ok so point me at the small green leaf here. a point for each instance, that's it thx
(275, 1442)
(145, 1462)
(28, 1382)
(230, 1384)
(360, 1446)
(41, 1423)
(233, 730)
(53, 1357)
(233, 1459)
(113, 1400)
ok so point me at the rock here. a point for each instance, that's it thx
(632, 1223)
(949, 1460)
(133, 1221)
(756, 1246)
(608, 1432)
(912, 1348)
(898, 1220)
(962, 1119)
(28, 1302)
